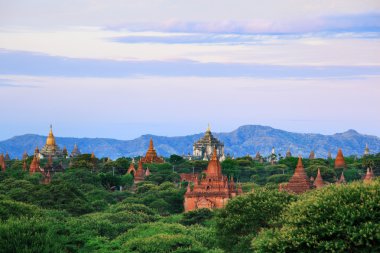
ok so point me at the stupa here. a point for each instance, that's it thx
(299, 183)
(368, 176)
(140, 173)
(318, 182)
(51, 148)
(342, 179)
(312, 155)
(76, 152)
(288, 154)
(151, 155)
(339, 160)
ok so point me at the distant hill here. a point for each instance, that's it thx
(242, 141)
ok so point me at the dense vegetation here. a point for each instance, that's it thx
(94, 207)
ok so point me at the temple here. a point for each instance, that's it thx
(211, 191)
(342, 179)
(76, 152)
(151, 155)
(318, 182)
(368, 176)
(131, 169)
(366, 150)
(299, 183)
(139, 174)
(312, 155)
(203, 148)
(339, 160)
(288, 154)
(51, 148)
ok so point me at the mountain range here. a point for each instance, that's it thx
(244, 140)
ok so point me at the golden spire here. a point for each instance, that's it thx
(50, 141)
(208, 128)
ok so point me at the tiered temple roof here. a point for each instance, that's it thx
(7, 157)
(212, 191)
(151, 155)
(203, 148)
(51, 148)
(299, 183)
(318, 182)
(339, 160)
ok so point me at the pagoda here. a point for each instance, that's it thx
(151, 155)
(203, 148)
(339, 160)
(318, 182)
(312, 155)
(139, 174)
(65, 153)
(288, 154)
(342, 179)
(2, 163)
(25, 156)
(211, 191)
(299, 183)
(35, 165)
(51, 148)
(131, 168)
(369, 176)
(366, 150)
(76, 152)
(7, 157)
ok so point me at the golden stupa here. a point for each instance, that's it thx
(51, 148)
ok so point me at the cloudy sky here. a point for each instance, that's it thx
(122, 68)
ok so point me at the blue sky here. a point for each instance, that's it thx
(120, 69)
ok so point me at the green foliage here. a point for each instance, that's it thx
(245, 215)
(24, 234)
(176, 159)
(199, 216)
(337, 218)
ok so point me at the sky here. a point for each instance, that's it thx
(122, 68)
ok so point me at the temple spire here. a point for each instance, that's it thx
(318, 182)
(339, 160)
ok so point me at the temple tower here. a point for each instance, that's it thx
(339, 160)
(151, 155)
(318, 182)
(203, 148)
(140, 173)
(211, 191)
(299, 183)
(51, 148)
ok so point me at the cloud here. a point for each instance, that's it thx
(10, 83)
(364, 22)
(22, 63)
